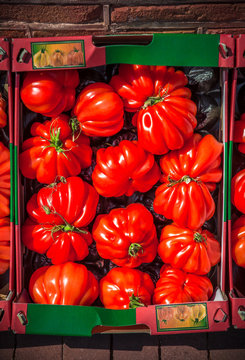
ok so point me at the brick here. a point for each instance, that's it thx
(135, 346)
(95, 348)
(179, 13)
(8, 33)
(52, 13)
(38, 347)
(190, 346)
(234, 31)
(227, 354)
(6, 345)
(50, 33)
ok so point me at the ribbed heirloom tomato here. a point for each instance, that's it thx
(99, 110)
(3, 115)
(49, 92)
(192, 251)
(239, 133)
(124, 169)
(58, 216)
(4, 181)
(165, 115)
(4, 245)
(56, 149)
(238, 241)
(124, 288)
(177, 286)
(126, 236)
(65, 284)
(189, 174)
(238, 191)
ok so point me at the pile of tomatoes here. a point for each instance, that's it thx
(123, 178)
(4, 190)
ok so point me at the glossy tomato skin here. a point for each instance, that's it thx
(188, 176)
(238, 191)
(59, 215)
(99, 110)
(4, 244)
(54, 151)
(192, 251)
(124, 288)
(126, 236)
(239, 133)
(238, 241)
(124, 169)
(4, 181)
(165, 114)
(49, 92)
(3, 115)
(66, 284)
(177, 286)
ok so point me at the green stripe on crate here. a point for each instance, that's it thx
(229, 178)
(16, 183)
(11, 149)
(170, 50)
(66, 320)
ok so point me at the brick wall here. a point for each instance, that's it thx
(73, 17)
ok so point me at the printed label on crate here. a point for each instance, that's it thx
(181, 317)
(53, 55)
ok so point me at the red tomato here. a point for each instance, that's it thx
(124, 169)
(124, 288)
(238, 191)
(4, 245)
(49, 92)
(99, 110)
(65, 284)
(192, 251)
(238, 241)
(239, 133)
(189, 174)
(4, 181)
(177, 286)
(3, 115)
(126, 236)
(57, 148)
(58, 215)
(165, 115)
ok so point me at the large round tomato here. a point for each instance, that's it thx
(189, 174)
(4, 180)
(49, 92)
(99, 110)
(192, 251)
(65, 284)
(57, 148)
(3, 115)
(238, 191)
(124, 169)
(124, 288)
(177, 286)
(238, 241)
(4, 245)
(239, 133)
(58, 215)
(126, 236)
(165, 115)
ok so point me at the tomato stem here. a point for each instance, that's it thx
(134, 249)
(186, 178)
(200, 238)
(153, 100)
(75, 127)
(135, 302)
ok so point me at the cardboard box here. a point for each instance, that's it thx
(178, 50)
(6, 137)
(236, 163)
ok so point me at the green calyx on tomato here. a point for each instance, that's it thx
(75, 126)
(186, 178)
(135, 302)
(153, 100)
(199, 238)
(134, 249)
